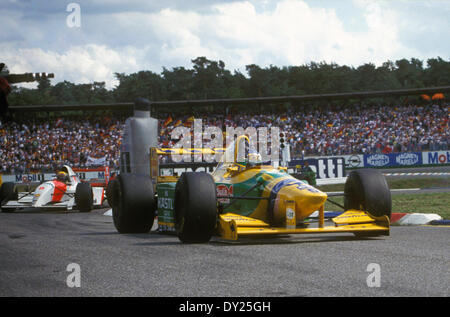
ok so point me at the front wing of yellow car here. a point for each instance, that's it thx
(233, 226)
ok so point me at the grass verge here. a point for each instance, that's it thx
(400, 183)
(435, 203)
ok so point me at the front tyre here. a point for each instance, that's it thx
(367, 190)
(195, 207)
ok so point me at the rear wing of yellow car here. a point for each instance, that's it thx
(155, 153)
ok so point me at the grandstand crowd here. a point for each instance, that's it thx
(34, 143)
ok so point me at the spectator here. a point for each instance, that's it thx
(33, 144)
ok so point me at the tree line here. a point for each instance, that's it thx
(209, 79)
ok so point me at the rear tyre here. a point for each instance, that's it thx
(84, 198)
(367, 189)
(7, 193)
(195, 207)
(134, 203)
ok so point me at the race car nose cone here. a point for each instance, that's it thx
(318, 198)
(307, 198)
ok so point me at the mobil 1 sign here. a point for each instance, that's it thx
(437, 157)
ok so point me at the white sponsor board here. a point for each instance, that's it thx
(351, 161)
(41, 177)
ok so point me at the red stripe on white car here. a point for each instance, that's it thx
(103, 196)
(59, 191)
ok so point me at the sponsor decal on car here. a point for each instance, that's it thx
(224, 190)
(165, 203)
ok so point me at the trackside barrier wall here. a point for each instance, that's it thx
(436, 157)
(393, 159)
(405, 159)
(325, 167)
(333, 167)
(96, 177)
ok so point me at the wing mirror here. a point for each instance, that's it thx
(282, 169)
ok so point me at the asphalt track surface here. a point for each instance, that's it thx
(36, 248)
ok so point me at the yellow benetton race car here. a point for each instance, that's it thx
(244, 198)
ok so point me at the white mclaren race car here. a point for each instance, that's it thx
(60, 193)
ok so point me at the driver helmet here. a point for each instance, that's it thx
(254, 158)
(62, 176)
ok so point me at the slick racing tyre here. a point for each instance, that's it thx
(110, 193)
(134, 203)
(7, 193)
(195, 207)
(367, 189)
(84, 198)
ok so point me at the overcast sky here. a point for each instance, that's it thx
(128, 36)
